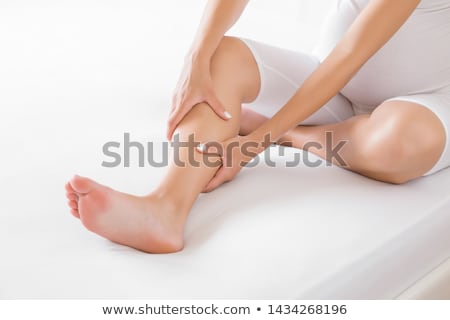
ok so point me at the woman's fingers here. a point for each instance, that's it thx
(217, 107)
(173, 107)
(230, 161)
(224, 174)
(215, 148)
(173, 104)
(179, 110)
(177, 115)
(221, 177)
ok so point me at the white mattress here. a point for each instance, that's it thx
(276, 233)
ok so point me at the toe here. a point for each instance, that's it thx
(72, 196)
(82, 185)
(69, 188)
(73, 204)
(75, 213)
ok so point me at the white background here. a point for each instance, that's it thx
(76, 74)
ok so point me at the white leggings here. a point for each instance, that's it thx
(283, 72)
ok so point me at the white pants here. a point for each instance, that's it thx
(283, 72)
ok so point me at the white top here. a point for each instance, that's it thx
(416, 59)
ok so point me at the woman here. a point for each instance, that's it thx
(380, 80)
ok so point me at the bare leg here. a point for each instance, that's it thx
(155, 223)
(398, 142)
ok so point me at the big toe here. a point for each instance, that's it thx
(82, 185)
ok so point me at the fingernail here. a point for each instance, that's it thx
(227, 115)
(201, 147)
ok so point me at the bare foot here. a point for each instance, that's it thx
(146, 223)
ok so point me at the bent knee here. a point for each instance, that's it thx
(402, 149)
(228, 43)
(233, 63)
(229, 55)
(229, 47)
(386, 153)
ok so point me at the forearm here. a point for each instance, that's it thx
(323, 84)
(218, 18)
(371, 30)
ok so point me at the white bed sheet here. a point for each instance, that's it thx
(273, 233)
(321, 233)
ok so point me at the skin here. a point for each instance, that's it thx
(221, 71)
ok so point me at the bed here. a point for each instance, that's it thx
(273, 233)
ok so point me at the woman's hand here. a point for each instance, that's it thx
(194, 86)
(234, 154)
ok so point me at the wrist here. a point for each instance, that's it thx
(199, 58)
(263, 140)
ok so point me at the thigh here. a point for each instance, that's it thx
(282, 72)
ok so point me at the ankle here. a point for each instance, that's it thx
(169, 206)
(171, 199)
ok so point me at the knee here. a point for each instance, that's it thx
(231, 55)
(233, 64)
(398, 152)
(383, 151)
(228, 48)
(226, 58)
(385, 159)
